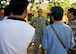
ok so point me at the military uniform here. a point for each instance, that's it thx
(39, 24)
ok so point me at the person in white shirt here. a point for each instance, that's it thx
(7, 12)
(1, 13)
(15, 33)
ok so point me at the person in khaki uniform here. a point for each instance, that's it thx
(39, 23)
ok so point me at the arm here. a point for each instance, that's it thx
(44, 40)
(32, 36)
(72, 43)
(47, 23)
(32, 21)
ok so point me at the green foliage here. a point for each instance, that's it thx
(73, 5)
(64, 4)
(4, 3)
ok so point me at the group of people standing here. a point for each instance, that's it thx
(16, 34)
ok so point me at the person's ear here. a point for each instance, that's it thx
(25, 12)
(52, 18)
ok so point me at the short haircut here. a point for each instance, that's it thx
(18, 6)
(57, 12)
(75, 12)
(72, 10)
(40, 10)
(7, 10)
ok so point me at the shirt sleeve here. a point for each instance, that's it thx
(72, 42)
(44, 40)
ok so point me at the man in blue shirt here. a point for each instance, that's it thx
(50, 42)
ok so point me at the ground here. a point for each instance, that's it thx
(30, 49)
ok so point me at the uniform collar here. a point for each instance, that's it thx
(14, 18)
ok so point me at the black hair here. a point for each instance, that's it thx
(7, 10)
(72, 10)
(18, 6)
(75, 12)
(51, 21)
(1, 8)
(57, 12)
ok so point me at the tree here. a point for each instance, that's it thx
(4, 3)
(64, 3)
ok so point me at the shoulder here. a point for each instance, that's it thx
(30, 29)
(73, 22)
(3, 22)
(28, 26)
(68, 27)
(48, 27)
(43, 17)
(35, 18)
(1, 18)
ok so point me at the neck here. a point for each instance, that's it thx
(72, 17)
(19, 16)
(39, 15)
(57, 20)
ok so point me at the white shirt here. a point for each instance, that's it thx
(15, 36)
(5, 17)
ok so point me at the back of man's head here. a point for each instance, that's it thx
(18, 6)
(7, 10)
(75, 12)
(1, 11)
(57, 12)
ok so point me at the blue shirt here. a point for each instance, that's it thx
(51, 43)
